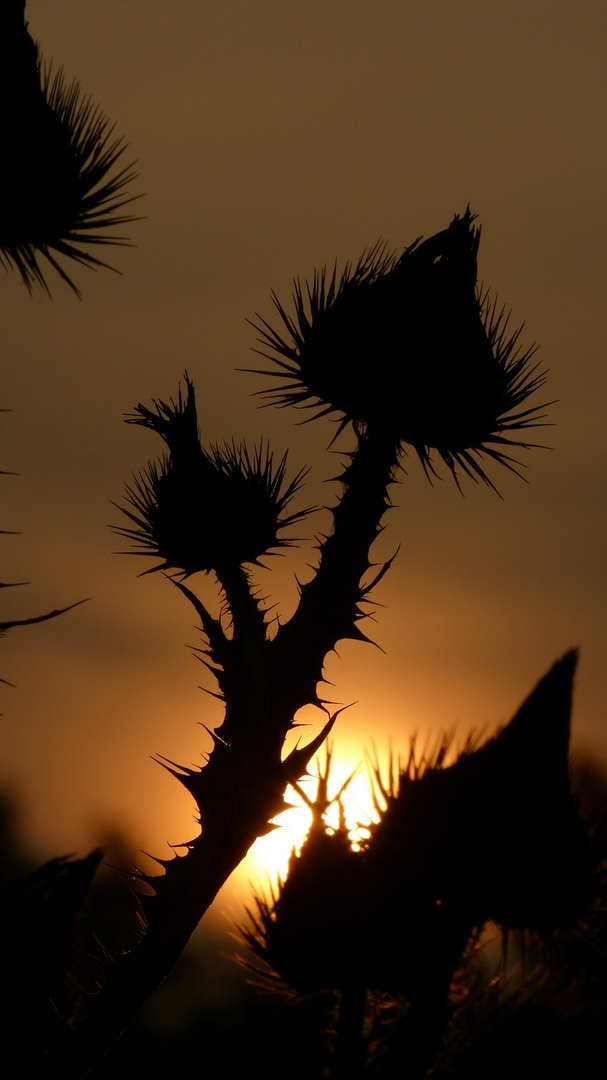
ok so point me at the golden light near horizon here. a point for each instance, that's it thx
(349, 785)
(352, 786)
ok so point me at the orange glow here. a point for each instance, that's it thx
(269, 857)
(484, 592)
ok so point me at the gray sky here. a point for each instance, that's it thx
(274, 136)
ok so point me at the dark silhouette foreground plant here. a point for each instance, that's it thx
(61, 186)
(403, 353)
(495, 837)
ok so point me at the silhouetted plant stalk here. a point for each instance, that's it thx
(61, 185)
(403, 353)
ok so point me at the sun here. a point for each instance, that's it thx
(268, 858)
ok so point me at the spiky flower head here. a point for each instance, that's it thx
(495, 836)
(61, 185)
(201, 510)
(409, 346)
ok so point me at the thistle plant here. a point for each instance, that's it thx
(62, 185)
(404, 354)
(409, 345)
(494, 837)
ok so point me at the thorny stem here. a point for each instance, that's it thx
(182, 897)
(264, 682)
(329, 608)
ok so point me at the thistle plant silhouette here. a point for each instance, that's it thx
(495, 837)
(452, 384)
(223, 509)
(61, 185)
(462, 382)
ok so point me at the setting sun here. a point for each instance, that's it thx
(269, 856)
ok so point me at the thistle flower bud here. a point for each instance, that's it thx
(409, 346)
(201, 510)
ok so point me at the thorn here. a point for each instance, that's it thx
(298, 760)
(217, 739)
(172, 767)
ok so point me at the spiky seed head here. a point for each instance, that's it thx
(61, 185)
(409, 346)
(200, 510)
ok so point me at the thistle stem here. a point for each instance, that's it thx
(329, 608)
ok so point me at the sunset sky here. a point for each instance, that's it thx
(272, 137)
